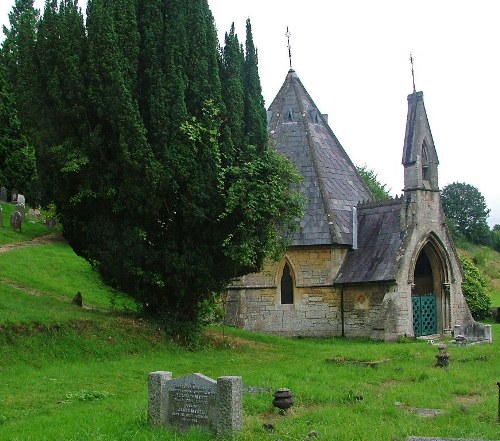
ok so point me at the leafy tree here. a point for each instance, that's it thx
(465, 209)
(146, 180)
(371, 180)
(474, 288)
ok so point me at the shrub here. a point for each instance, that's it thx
(474, 289)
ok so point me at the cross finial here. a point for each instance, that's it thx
(287, 35)
(412, 72)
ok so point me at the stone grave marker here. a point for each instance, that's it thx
(22, 212)
(195, 400)
(15, 220)
(14, 195)
(1, 217)
(21, 199)
(3, 194)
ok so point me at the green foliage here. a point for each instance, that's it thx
(466, 211)
(474, 289)
(370, 178)
(86, 395)
(495, 238)
(162, 178)
(17, 156)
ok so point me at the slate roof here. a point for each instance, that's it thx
(331, 183)
(380, 241)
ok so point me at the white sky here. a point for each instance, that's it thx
(353, 58)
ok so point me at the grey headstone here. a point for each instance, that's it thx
(3, 194)
(156, 385)
(196, 401)
(50, 223)
(191, 401)
(14, 195)
(21, 199)
(21, 209)
(15, 220)
(1, 217)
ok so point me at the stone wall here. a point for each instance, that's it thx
(253, 302)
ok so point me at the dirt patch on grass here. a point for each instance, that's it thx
(49, 238)
(218, 339)
(389, 384)
(468, 399)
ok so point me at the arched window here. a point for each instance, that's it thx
(425, 162)
(286, 286)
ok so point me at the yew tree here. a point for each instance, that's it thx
(161, 173)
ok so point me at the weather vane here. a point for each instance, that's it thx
(287, 35)
(412, 72)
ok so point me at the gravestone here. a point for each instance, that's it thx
(21, 199)
(195, 401)
(1, 217)
(14, 195)
(3, 194)
(15, 220)
(20, 208)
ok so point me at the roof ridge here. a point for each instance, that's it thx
(374, 204)
(333, 228)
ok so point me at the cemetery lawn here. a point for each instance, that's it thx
(31, 227)
(70, 373)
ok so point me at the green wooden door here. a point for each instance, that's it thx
(424, 314)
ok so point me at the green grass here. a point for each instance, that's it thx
(30, 228)
(68, 373)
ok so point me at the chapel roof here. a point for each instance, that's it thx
(380, 240)
(331, 184)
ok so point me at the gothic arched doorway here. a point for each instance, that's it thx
(430, 292)
(424, 298)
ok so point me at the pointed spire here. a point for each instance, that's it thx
(288, 35)
(412, 72)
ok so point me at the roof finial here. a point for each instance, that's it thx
(287, 35)
(412, 72)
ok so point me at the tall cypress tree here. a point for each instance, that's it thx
(19, 59)
(150, 189)
(233, 59)
(17, 156)
(255, 113)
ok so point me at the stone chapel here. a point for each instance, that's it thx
(355, 267)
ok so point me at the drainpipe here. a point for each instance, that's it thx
(342, 309)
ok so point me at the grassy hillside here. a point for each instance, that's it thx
(70, 373)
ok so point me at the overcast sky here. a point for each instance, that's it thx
(353, 58)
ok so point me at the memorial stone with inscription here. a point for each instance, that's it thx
(196, 400)
(15, 220)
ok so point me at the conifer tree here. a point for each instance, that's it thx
(149, 189)
(233, 91)
(19, 59)
(17, 156)
(255, 113)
